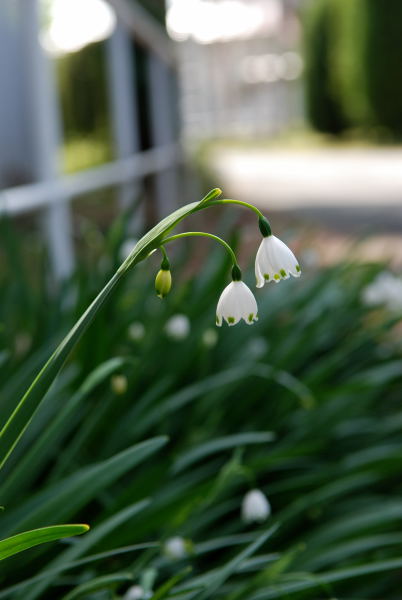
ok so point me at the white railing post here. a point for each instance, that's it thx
(44, 122)
(124, 111)
(164, 123)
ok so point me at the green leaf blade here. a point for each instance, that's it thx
(29, 539)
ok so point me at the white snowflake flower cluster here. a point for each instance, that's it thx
(274, 262)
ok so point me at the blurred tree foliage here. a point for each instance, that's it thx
(353, 53)
(323, 108)
(82, 78)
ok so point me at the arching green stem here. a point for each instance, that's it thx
(239, 202)
(203, 234)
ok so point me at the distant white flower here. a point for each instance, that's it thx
(274, 261)
(255, 507)
(209, 338)
(386, 289)
(178, 327)
(135, 592)
(126, 247)
(236, 302)
(136, 331)
(175, 547)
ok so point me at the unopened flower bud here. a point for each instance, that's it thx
(163, 283)
(209, 338)
(119, 384)
(136, 331)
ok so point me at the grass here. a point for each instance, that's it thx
(304, 405)
(80, 153)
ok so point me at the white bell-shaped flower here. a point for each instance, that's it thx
(135, 592)
(178, 327)
(236, 302)
(255, 507)
(386, 289)
(274, 261)
(176, 548)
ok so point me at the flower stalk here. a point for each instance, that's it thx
(236, 302)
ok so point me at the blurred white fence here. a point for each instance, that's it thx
(51, 191)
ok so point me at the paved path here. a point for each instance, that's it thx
(324, 180)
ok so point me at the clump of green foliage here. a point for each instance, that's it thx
(304, 405)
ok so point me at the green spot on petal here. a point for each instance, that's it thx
(266, 276)
(298, 269)
(277, 277)
(231, 320)
(251, 317)
(283, 272)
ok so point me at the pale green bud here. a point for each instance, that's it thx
(119, 384)
(163, 282)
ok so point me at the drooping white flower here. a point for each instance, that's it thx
(255, 507)
(175, 547)
(136, 331)
(178, 327)
(386, 289)
(235, 303)
(274, 260)
(135, 592)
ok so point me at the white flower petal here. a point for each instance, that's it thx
(235, 303)
(274, 261)
(258, 273)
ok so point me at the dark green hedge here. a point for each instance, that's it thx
(353, 64)
(323, 108)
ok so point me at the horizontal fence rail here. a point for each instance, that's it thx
(25, 198)
(52, 191)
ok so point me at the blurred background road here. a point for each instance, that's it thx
(291, 179)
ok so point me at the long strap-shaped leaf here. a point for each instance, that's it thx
(311, 581)
(28, 539)
(23, 413)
